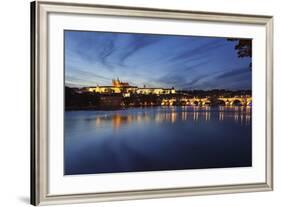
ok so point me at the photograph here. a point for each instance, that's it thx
(138, 102)
(132, 102)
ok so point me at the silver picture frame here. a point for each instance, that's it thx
(39, 100)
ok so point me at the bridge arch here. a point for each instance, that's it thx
(249, 103)
(236, 102)
(221, 102)
(196, 103)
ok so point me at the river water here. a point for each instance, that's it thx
(157, 138)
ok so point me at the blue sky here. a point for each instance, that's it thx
(183, 62)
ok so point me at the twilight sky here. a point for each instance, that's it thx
(183, 62)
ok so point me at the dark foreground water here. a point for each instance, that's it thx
(157, 138)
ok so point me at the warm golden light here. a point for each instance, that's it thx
(172, 114)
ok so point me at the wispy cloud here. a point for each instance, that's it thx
(135, 44)
(199, 51)
(236, 78)
(234, 72)
(154, 60)
(78, 81)
(81, 48)
(177, 79)
(107, 50)
(90, 75)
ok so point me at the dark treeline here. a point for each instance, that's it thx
(75, 99)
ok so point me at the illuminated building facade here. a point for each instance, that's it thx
(126, 89)
(158, 91)
(118, 83)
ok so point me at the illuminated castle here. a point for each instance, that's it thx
(119, 87)
(118, 83)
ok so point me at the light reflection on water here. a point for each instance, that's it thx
(172, 114)
(157, 138)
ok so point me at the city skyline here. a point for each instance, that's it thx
(182, 62)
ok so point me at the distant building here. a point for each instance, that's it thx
(118, 83)
(157, 91)
(124, 88)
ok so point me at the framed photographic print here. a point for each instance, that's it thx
(133, 103)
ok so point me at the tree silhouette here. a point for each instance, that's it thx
(243, 48)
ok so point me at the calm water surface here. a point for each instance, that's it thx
(157, 138)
